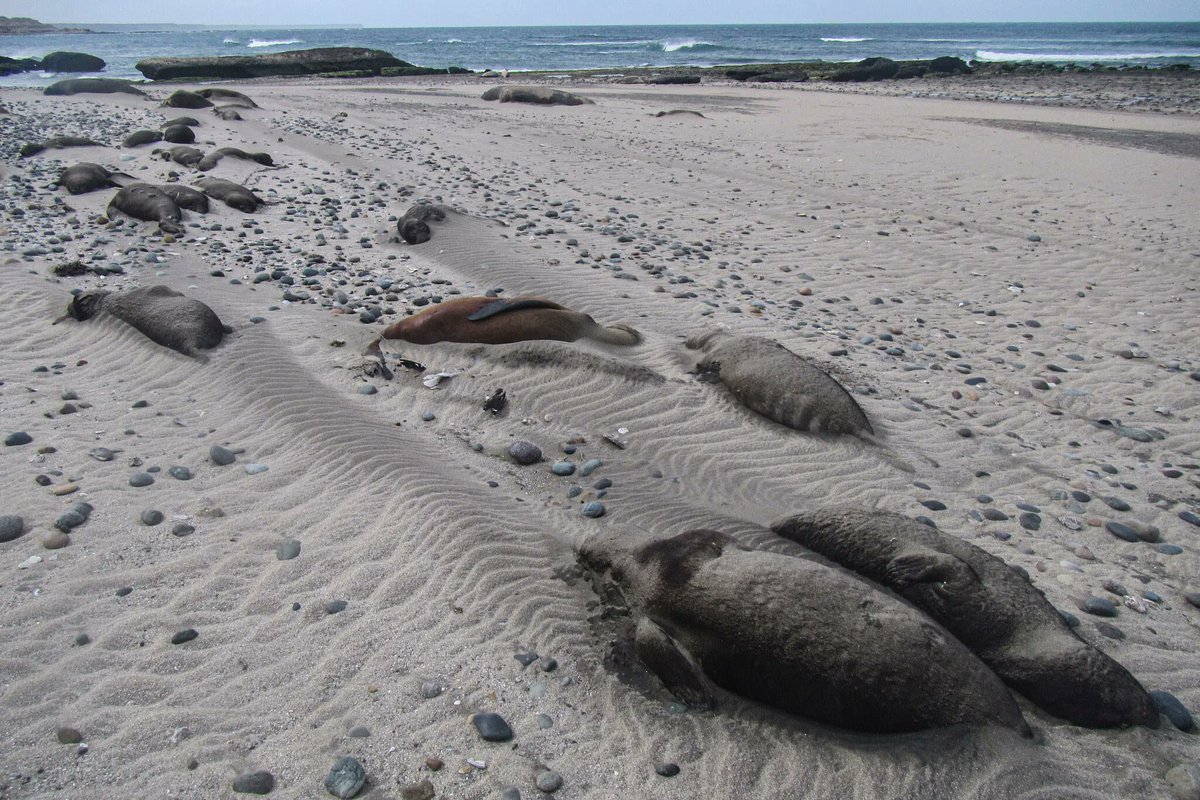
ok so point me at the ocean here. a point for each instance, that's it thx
(614, 47)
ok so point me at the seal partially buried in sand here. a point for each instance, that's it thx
(993, 609)
(161, 313)
(775, 382)
(791, 633)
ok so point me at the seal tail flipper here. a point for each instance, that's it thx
(674, 666)
(923, 568)
(617, 334)
(373, 351)
(501, 306)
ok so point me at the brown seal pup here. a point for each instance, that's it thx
(232, 194)
(989, 606)
(772, 380)
(191, 122)
(227, 113)
(791, 633)
(161, 313)
(145, 202)
(491, 320)
(182, 98)
(87, 177)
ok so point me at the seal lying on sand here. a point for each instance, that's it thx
(491, 320)
(178, 134)
(56, 143)
(210, 160)
(161, 313)
(414, 225)
(92, 86)
(141, 137)
(791, 633)
(228, 97)
(180, 154)
(990, 607)
(232, 194)
(87, 177)
(145, 202)
(780, 385)
(186, 197)
(227, 113)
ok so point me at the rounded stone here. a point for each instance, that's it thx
(1169, 549)
(492, 727)
(255, 469)
(69, 520)
(180, 473)
(17, 438)
(1030, 521)
(56, 540)
(549, 781)
(288, 550)
(261, 782)
(68, 735)
(183, 529)
(590, 466)
(1100, 606)
(221, 456)
(345, 778)
(335, 606)
(524, 452)
(139, 479)
(152, 517)
(667, 770)
(563, 468)
(185, 635)
(593, 508)
(11, 527)
(1121, 531)
(428, 416)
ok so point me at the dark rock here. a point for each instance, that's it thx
(291, 62)
(1100, 606)
(11, 527)
(869, 69)
(180, 473)
(345, 778)
(62, 61)
(185, 635)
(221, 456)
(1116, 503)
(548, 781)
(492, 727)
(674, 79)
(182, 529)
(152, 517)
(1121, 531)
(17, 438)
(288, 550)
(1030, 521)
(1109, 631)
(335, 606)
(524, 452)
(1190, 518)
(261, 782)
(1174, 710)
(994, 514)
(140, 479)
(667, 770)
(949, 65)
(934, 505)
(67, 735)
(1193, 598)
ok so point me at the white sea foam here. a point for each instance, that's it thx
(273, 42)
(847, 39)
(674, 45)
(230, 41)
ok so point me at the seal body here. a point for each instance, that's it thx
(232, 194)
(91, 86)
(178, 134)
(186, 197)
(490, 320)
(792, 633)
(145, 202)
(56, 143)
(228, 97)
(227, 113)
(182, 98)
(993, 609)
(164, 315)
(211, 160)
(414, 225)
(141, 137)
(775, 382)
(180, 154)
(86, 177)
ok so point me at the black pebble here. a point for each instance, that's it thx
(667, 770)
(185, 635)
(1175, 711)
(261, 782)
(492, 727)
(1030, 521)
(934, 505)
(335, 606)
(1121, 531)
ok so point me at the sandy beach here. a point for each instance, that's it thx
(1005, 280)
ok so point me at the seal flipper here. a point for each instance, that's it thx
(674, 666)
(503, 306)
(929, 567)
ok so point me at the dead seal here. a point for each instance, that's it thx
(141, 137)
(231, 194)
(228, 97)
(227, 113)
(162, 314)
(178, 134)
(413, 227)
(182, 98)
(191, 122)
(57, 143)
(791, 633)
(992, 608)
(180, 154)
(537, 95)
(213, 158)
(149, 203)
(87, 177)
(775, 382)
(186, 197)
(91, 86)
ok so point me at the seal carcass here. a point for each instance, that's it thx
(161, 313)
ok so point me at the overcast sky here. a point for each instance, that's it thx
(454, 13)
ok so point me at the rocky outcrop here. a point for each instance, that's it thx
(869, 69)
(292, 62)
(540, 95)
(20, 26)
(62, 61)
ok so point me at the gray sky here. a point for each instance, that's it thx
(454, 13)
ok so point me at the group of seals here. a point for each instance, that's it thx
(992, 609)
(164, 315)
(791, 633)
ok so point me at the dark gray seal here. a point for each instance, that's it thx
(191, 122)
(57, 143)
(145, 202)
(772, 380)
(186, 197)
(791, 633)
(178, 134)
(87, 177)
(92, 86)
(414, 225)
(180, 154)
(232, 194)
(228, 97)
(182, 98)
(213, 158)
(992, 608)
(164, 315)
(538, 95)
(138, 138)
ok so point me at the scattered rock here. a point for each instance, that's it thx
(67, 735)
(492, 727)
(548, 781)
(1169, 705)
(17, 438)
(261, 782)
(345, 778)
(11, 527)
(524, 452)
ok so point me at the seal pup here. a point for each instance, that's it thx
(141, 137)
(211, 160)
(992, 608)
(775, 382)
(182, 98)
(191, 122)
(232, 194)
(87, 177)
(413, 227)
(791, 633)
(492, 320)
(164, 315)
(227, 113)
(180, 154)
(56, 143)
(145, 202)
(228, 97)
